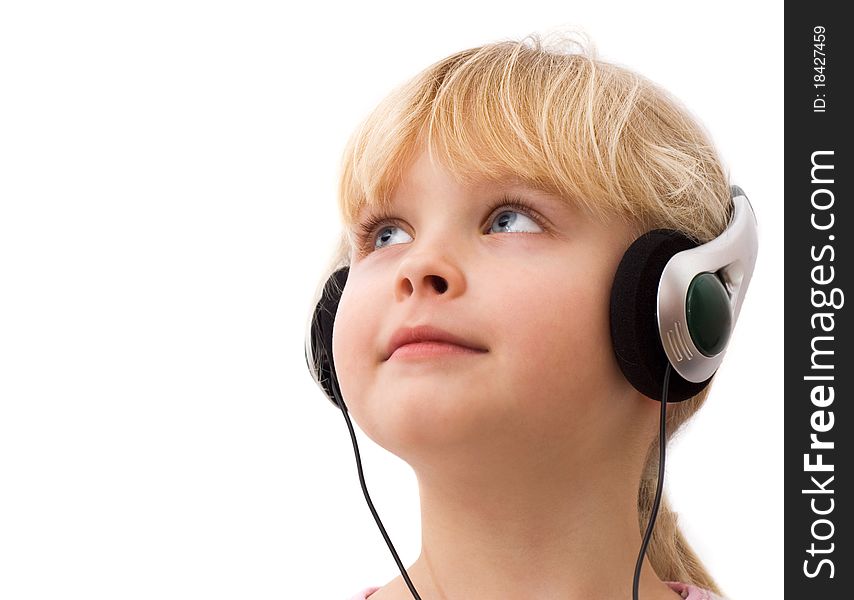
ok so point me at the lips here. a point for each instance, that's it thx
(426, 333)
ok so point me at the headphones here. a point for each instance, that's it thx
(674, 304)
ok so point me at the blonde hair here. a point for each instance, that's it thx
(594, 133)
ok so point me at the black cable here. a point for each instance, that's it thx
(343, 407)
(662, 442)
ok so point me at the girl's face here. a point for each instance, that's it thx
(532, 287)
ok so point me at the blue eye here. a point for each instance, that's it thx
(506, 219)
(384, 235)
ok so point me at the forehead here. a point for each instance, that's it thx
(425, 179)
(427, 172)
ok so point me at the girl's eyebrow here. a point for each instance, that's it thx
(538, 194)
(520, 187)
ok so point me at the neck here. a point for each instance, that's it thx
(531, 532)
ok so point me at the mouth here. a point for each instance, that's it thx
(431, 348)
(425, 341)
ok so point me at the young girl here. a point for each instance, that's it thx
(488, 203)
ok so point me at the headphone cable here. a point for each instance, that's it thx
(662, 442)
(343, 407)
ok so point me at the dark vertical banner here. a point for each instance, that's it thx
(819, 370)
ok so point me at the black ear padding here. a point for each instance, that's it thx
(634, 306)
(322, 321)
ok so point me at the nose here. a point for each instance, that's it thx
(428, 273)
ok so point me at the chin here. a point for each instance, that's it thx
(435, 425)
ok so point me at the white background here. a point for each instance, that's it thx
(168, 173)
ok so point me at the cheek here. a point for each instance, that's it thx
(558, 341)
(353, 343)
(562, 331)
